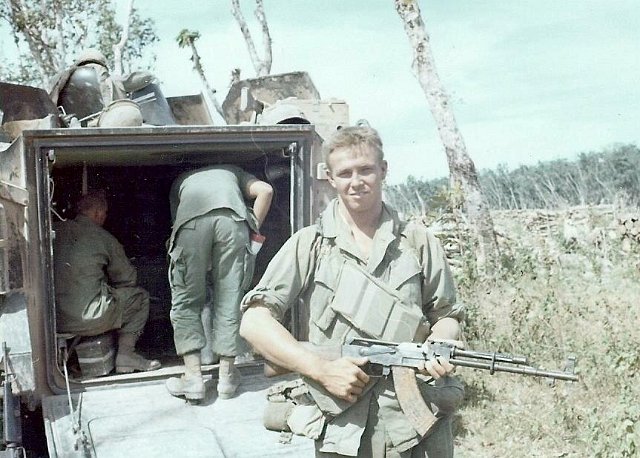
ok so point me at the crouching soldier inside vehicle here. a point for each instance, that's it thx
(210, 245)
(363, 273)
(96, 284)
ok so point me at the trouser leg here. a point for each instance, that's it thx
(372, 442)
(208, 357)
(135, 308)
(190, 258)
(135, 302)
(439, 444)
(228, 271)
(126, 342)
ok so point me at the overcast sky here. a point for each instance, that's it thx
(528, 80)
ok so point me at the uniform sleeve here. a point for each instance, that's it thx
(287, 275)
(438, 289)
(244, 178)
(119, 269)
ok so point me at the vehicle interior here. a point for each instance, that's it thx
(137, 187)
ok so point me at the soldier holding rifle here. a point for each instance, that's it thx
(363, 273)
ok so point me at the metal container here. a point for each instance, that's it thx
(96, 355)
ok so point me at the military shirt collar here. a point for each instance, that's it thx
(332, 226)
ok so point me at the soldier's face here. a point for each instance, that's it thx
(357, 175)
(101, 216)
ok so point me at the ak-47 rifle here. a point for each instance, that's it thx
(400, 359)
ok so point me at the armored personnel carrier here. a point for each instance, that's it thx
(54, 403)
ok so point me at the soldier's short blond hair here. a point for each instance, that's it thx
(355, 137)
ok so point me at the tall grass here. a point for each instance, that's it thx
(552, 299)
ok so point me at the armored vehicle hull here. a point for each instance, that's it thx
(41, 173)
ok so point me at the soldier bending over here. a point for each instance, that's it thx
(209, 245)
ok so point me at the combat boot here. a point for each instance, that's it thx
(127, 360)
(191, 386)
(130, 362)
(228, 378)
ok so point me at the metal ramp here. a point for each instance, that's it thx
(142, 419)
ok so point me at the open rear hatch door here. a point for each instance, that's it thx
(15, 334)
(134, 415)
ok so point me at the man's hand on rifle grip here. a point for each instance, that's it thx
(344, 377)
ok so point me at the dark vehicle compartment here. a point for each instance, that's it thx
(137, 190)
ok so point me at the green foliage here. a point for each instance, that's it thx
(49, 34)
(410, 197)
(187, 37)
(108, 32)
(593, 178)
(548, 302)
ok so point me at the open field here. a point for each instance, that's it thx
(571, 286)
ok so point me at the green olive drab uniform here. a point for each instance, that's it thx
(95, 282)
(209, 244)
(395, 295)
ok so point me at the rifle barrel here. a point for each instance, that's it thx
(526, 370)
(491, 356)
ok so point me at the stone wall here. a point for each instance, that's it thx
(548, 233)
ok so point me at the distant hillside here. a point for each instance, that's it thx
(606, 177)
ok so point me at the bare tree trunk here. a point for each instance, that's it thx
(411, 205)
(261, 66)
(210, 92)
(461, 168)
(608, 191)
(423, 207)
(495, 191)
(266, 38)
(188, 38)
(515, 202)
(118, 47)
